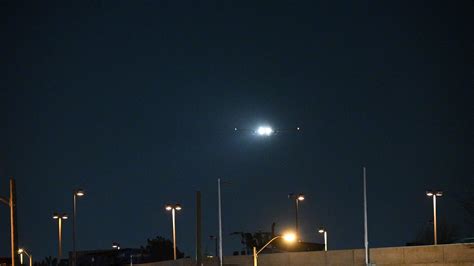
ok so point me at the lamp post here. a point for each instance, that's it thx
(60, 218)
(215, 245)
(287, 237)
(173, 209)
(434, 194)
(297, 198)
(323, 231)
(22, 251)
(76, 193)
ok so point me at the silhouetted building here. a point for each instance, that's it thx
(108, 257)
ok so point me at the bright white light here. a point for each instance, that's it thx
(289, 237)
(264, 131)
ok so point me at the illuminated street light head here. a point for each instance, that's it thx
(300, 197)
(429, 193)
(264, 131)
(20, 251)
(321, 230)
(168, 207)
(177, 207)
(289, 237)
(64, 216)
(55, 215)
(439, 193)
(115, 245)
(80, 192)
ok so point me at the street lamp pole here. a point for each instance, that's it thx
(434, 194)
(297, 198)
(325, 233)
(287, 237)
(60, 219)
(174, 233)
(76, 193)
(22, 251)
(173, 209)
(220, 219)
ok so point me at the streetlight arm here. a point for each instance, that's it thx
(260, 250)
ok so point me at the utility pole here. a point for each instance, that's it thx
(11, 202)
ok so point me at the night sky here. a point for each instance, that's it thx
(136, 102)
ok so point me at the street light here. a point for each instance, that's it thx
(323, 231)
(173, 209)
(434, 194)
(22, 251)
(264, 131)
(76, 193)
(60, 218)
(289, 237)
(297, 198)
(116, 245)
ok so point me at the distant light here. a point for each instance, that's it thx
(301, 197)
(289, 237)
(264, 131)
(297, 128)
(235, 129)
(115, 245)
(80, 193)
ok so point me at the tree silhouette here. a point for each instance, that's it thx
(159, 249)
(447, 233)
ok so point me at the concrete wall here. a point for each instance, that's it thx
(441, 255)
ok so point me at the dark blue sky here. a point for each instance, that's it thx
(136, 103)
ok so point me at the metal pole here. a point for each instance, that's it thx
(296, 218)
(13, 223)
(220, 220)
(174, 233)
(255, 256)
(366, 233)
(59, 238)
(31, 260)
(198, 229)
(325, 240)
(434, 221)
(74, 230)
